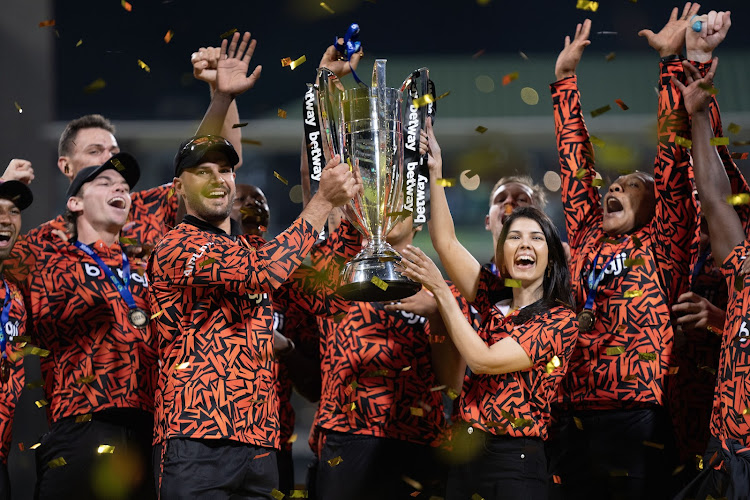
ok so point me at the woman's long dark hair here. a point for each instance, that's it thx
(556, 284)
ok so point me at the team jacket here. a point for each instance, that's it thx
(626, 358)
(730, 417)
(518, 403)
(214, 330)
(11, 390)
(97, 359)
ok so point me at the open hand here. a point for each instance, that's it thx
(571, 54)
(671, 38)
(231, 70)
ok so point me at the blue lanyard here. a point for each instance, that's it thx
(122, 286)
(594, 279)
(7, 303)
(699, 264)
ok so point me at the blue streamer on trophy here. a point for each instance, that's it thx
(351, 46)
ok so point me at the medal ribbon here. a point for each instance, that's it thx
(351, 46)
(4, 316)
(122, 286)
(594, 279)
(699, 264)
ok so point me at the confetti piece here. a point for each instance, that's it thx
(21, 447)
(739, 156)
(406, 368)
(587, 5)
(168, 36)
(673, 370)
(277, 494)
(637, 242)
(708, 369)
(618, 473)
(709, 88)
(647, 356)
(286, 62)
(327, 8)
(206, 262)
(297, 62)
(444, 94)
(600, 111)
(48, 22)
(437, 339)
(733, 128)
(85, 380)
(578, 422)
(56, 462)
(411, 482)
(335, 461)
(128, 241)
(170, 192)
(511, 283)
(378, 373)
(262, 455)
(41, 402)
(610, 57)
(34, 384)
(281, 113)
(240, 125)
(95, 86)
(379, 283)
(529, 96)
(481, 129)
(478, 54)
(105, 448)
(477, 496)
(35, 446)
(292, 438)
(622, 105)
(678, 469)
(596, 141)
(156, 315)
(517, 423)
(349, 407)
(553, 364)
(79, 42)
(18, 107)
(635, 262)
(227, 34)
(720, 141)
(126, 5)
(438, 388)
(632, 293)
(452, 393)
(80, 419)
(468, 181)
(581, 173)
(36, 351)
(446, 182)
(556, 479)
(485, 84)
(510, 77)
(738, 199)
(281, 178)
(298, 494)
(144, 66)
(182, 366)
(523, 55)
(351, 387)
(20, 339)
(741, 143)
(630, 378)
(425, 99)
(605, 33)
(416, 412)
(615, 351)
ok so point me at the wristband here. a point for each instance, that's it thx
(670, 58)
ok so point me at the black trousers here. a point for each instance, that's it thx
(497, 467)
(91, 471)
(4, 482)
(612, 454)
(285, 466)
(725, 474)
(214, 469)
(372, 468)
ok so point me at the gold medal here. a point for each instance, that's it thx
(138, 318)
(586, 320)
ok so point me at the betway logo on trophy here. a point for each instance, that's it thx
(366, 127)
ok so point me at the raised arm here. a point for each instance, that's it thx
(714, 189)
(462, 268)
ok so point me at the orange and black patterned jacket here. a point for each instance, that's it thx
(626, 358)
(11, 389)
(215, 331)
(97, 359)
(518, 403)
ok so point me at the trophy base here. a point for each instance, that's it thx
(361, 277)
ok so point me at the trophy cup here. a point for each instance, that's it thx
(365, 126)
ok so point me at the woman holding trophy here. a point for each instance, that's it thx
(521, 352)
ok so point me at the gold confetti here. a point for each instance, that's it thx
(477, 496)
(416, 412)
(733, 128)
(578, 422)
(647, 356)
(48, 22)
(351, 387)
(673, 370)
(597, 182)
(36, 351)
(95, 86)
(481, 129)
(18, 107)
(170, 192)
(739, 156)
(630, 378)
(587, 5)
(739, 199)
(281, 113)
(349, 407)
(615, 351)
(446, 182)
(581, 173)
(335, 461)
(444, 94)
(411, 482)
(277, 494)
(41, 402)
(618, 473)
(485, 84)
(34, 384)
(709, 88)
(85, 380)
(156, 315)
(425, 99)
(637, 242)
(529, 96)
(168, 36)
(517, 423)
(406, 368)
(286, 62)
(144, 66)
(509, 78)
(56, 462)
(720, 141)
(553, 364)
(327, 8)
(292, 438)
(622, 105)
(596, 141)
(206, 262)
(297, 62)
(84, 418)
(678, 469)
(105, 448)
(632, 293)
(600, 111)
(452, 393)
(20, 339)
(298, 494)
(281, 178)
(610, 57)
(182, 366)
(379, 283)
(635, 262)
(681, 141)
(438, 388)
(511, 283)
(229, 33)
(79, 42)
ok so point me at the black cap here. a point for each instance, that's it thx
(123, 163)
(17, 192)
(193, 150)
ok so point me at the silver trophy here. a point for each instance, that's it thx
(365, 126)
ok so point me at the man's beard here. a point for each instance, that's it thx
(213, 215)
